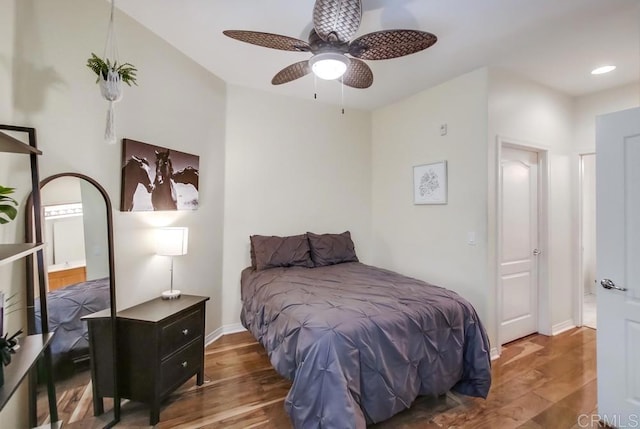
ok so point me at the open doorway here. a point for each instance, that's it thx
(588, 242)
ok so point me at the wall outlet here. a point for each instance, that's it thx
(443, 129)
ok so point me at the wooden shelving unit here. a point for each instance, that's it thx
(13, 252)
(32, 347)
(10, 144)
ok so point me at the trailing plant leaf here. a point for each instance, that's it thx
(8, 206)
(100, 67)
(11, 305)
(7, 347)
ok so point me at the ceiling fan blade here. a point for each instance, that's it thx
(383, 45)
(337, 19)
(292, 72)
(269, 40)
(358, 75)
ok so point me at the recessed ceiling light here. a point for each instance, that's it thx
(603, 69)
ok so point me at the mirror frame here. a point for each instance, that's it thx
(31, 285)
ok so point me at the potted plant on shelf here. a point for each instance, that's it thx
(8, 206)
(8, 347)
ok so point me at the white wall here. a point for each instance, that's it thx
(291, 166)
(177, 104)
(526, 111)
(429, 242)
(11, 166)
(584, 142)
(589, 106)
(6, 55)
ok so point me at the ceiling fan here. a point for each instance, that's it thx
(334, 24)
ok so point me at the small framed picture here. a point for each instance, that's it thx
(430, 183)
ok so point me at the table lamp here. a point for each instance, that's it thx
(172, 242)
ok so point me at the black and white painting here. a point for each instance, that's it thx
(157, 178)
(430, 183)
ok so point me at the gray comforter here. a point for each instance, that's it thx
(361, 343)
(66, 307)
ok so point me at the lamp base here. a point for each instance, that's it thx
(171, 294)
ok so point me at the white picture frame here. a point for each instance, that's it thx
(430, 183)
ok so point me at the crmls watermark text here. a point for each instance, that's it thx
(613, 420)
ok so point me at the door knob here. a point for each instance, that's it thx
(536, 252)
(609, 284)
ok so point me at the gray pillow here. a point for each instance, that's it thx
(273, 251)
(330, 249)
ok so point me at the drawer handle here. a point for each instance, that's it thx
(184, 364)
(185, 332)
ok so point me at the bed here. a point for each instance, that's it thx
(65, 307)
(360, 343)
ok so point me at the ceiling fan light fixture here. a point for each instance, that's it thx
(329, 65)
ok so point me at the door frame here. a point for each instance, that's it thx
(579, 289)
(544, 316)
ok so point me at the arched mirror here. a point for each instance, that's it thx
(77, 232)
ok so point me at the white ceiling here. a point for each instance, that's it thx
(554, 42)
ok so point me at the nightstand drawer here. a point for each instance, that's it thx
(180, 367)
(181, 332)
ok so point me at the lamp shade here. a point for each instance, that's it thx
(172, 241)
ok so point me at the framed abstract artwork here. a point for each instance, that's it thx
(156, 178)
(430, 183)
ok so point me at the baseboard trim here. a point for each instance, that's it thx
(213, 336)
(232, 328)
(494, 353)
(561, 327)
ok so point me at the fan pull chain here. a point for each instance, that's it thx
(342, 93)
(315, 87)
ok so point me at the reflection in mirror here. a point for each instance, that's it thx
(77, 252)
(75, 232)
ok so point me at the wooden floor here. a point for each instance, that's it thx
(538, 382)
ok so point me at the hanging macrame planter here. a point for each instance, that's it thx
(111, 75)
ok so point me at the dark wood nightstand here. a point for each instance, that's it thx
(160, 346)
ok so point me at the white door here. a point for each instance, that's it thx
(618, 267)
(518, 264)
